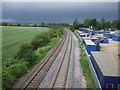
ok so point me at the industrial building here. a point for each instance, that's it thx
(106, 70)
(105, 61)
(91, 46)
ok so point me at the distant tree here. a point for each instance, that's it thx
(81, 25)
(34, 25)
(4, 24)
(42, 24)
(18, 24)
(10, 24)
(93, 22)
(108, 24)
(50, 24)
(76, 24)
(116, 24)
(99, 25)
(103, 22)
(26, 24)
(87, 22)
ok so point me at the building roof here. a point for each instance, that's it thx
(79, 32)
(94, 38)
(108, 66)
(82, 34)
(89, 42)
(86, 38)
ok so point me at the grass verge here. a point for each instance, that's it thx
(85, 66)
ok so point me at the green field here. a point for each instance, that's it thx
(13, 37)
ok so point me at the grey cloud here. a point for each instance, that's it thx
(58, 12)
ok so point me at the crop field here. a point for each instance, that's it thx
(13, 37)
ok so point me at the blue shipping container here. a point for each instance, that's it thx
(105, 41)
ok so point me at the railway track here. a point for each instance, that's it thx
(56, 63)
(61, 77)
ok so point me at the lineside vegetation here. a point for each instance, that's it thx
(85, 66)
(28, 55)
(86, 69)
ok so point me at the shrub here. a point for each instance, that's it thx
(40, 41)
(10, 61)
(26, 54)
(17, 70)
(23, 50)
(12, 72)
(30, 57)
(7, 78)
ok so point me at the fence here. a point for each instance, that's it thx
(94, 75)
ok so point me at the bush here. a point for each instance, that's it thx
(17, 70)
(10, 61)
(30, 57)
(7, 78)
(12, 72)
(40, 41)
(26, 54)
(23, 50)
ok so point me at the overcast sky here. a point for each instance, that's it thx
(58, 12)
(59, 0)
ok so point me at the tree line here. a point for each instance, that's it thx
(35, 25)
(94, 23)
(87, 23)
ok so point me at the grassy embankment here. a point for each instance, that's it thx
(85, 66)
(28, 54)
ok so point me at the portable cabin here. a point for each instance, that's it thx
(105, 40)
(83, 35)
(99, 37)
(81, 29)
(111, 29)
(95, 29)
(106, 70)
(85, 31)
(90, 46)
(92, 32)
(94, 39)
(79, 32)
(105, 34)
(116, 36)
(100, 32)
(108, 35)
(86, 38)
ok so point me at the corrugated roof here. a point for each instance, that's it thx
(108, 66)
(94, 38)
(82, 34)
(89, 42)
(79, 32)
(86, 38)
